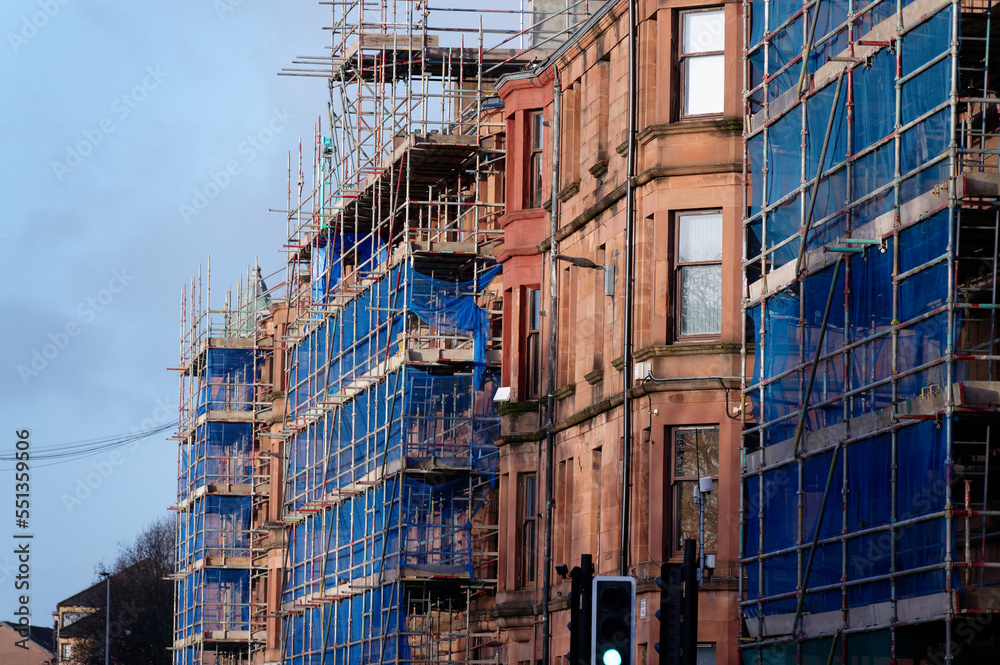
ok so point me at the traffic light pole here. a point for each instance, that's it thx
(689, 609)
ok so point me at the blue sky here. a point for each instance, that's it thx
(115, 116)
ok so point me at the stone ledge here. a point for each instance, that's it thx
(566, 391)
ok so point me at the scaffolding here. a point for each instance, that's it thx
(221, 395)
(870, 508)
(393, 335)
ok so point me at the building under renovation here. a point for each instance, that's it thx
(337, 494)
(226, 356)
(870, 492)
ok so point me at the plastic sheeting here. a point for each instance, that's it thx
(356, 250)
(212, 599)
(349, 343)
(226, 383)
(450, 307)
(778, 165)
(869, 283)
(215, 526)
(221, 452)
(887, 333)
(438, 427)
(867, 497)
(358, 336)
(361, 629)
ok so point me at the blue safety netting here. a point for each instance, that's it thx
(349, 343)
(366, 628)
(883, 532)
(450, 307)
(868, 279)
(779, 200)
(214, 526)
(226, 382)
(361, 252)
(412, 415)
(437, 423)
(867, 497)
(439, 428)
(219, 453)
(212, 599)
(366, 331)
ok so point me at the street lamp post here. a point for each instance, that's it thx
(107, 619)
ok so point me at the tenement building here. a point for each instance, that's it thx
(623, 324)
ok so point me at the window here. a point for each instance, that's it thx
(67, 651)
(533, 340)
(597, 495)
(701, 62)
(527, 485)
(71, 617)
(535, 159)
(699, 273)
(564, 511)
(695, 455)
(705, 654)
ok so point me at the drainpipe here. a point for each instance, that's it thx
(550, 399)
(629, 297)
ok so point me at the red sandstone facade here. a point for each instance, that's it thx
(688, 195)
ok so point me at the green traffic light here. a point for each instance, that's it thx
(612, 657)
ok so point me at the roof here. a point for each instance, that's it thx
(572, 38)
(92, 596)
(92, 624)
(40, 636)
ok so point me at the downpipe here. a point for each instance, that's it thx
(623, 555)
(550, 398)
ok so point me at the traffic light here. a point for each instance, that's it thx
(613, 621)
(669, 614)
(580, 611)
(678, 613)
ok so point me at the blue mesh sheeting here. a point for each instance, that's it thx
(781, 321)
(817, 118)
(439, 428)
(227, 381)
(921, 492)
(221, 453)
(367, 628)
(215, 526)
(213, 599)
(367, 330)
(869, 189)
(348, 344)
(358, 251)
(887, 337)
(450, 307)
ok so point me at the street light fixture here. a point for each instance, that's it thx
(580, 262)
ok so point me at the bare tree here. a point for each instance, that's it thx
(141, 603)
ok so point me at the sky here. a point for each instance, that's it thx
(138, 138)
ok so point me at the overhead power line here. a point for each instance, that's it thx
(70, 452)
